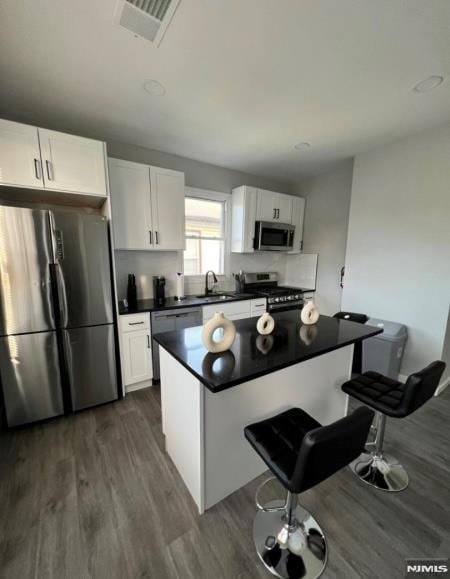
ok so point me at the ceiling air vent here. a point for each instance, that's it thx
(146, 18)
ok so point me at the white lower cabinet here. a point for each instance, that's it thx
(232, 310)
(258, 307)
(135, 348)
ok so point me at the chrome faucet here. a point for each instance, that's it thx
(207, 290)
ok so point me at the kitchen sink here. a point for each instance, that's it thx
(214, 297)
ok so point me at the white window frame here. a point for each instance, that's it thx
(210, 195)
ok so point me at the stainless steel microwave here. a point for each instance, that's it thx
(273, 236)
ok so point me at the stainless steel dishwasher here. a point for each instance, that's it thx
(168, 321)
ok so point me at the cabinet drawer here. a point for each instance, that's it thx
(258, 306)
(133, 322)
(229, 309)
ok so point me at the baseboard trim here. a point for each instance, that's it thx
(138, 386)
(442, 387)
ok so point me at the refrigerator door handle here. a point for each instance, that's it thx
(62, 296)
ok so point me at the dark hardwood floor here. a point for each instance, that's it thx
(95, 495)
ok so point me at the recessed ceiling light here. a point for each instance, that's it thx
(429, 83)
(154, 88)
(302, 146)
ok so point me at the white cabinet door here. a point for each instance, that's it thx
(168, 213)
(20, 157)
(274, 206)
(267, 206)
(298, 215)
(73, 163)
(284, 208)
(243, 219)
(136, 356)
(130, 205)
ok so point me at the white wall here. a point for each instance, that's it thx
(446, 351)
(325, 231)
(398, 248)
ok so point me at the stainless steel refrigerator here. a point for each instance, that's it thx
(57, 334)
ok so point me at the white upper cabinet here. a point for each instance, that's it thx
(168, 213)
(20, 157)
(298, 215)
(147, 206)
(273, 206)
(243, 217)
(31, 157)
(250, 205)
(73, 163)
(130, 204)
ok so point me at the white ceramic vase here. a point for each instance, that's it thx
(229, 333)
(310, 313)
(265, 324)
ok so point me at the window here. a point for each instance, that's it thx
(205, 236)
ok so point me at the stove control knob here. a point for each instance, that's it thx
(277, 300)
(297, 296)
(290, 298)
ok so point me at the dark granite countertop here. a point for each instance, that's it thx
(189, 302)
(171, 303)
(252, 355)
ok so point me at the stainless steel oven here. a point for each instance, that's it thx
(273, 236)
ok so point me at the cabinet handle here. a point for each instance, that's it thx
(135, 323)
(151, 237)
(148, 341)
(278, 214)
(274, 214)
(47, 164)
(37, 169)
(157, 237)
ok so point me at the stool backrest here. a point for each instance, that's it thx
(358, 350)
(421, 386)
(351, 317)
(327, 449)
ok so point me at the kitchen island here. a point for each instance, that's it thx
(207, 399)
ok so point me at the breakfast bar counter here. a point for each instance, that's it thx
(207, 399)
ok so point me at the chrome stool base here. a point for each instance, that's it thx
(381, 471)
(291, 551)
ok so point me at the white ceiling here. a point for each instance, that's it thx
(246, 79)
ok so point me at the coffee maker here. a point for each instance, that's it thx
(159, 290)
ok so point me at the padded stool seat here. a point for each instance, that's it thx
(379, 392)
(277, 440)
(390, 398)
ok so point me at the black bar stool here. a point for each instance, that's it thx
(358, 347)
(300, 453)
(390, 398)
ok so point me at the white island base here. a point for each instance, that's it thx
(205, 431)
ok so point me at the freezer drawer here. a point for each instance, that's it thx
(91, 365)
(30, 377)
(83, 273)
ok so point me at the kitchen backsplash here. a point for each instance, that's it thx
(146, 264)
